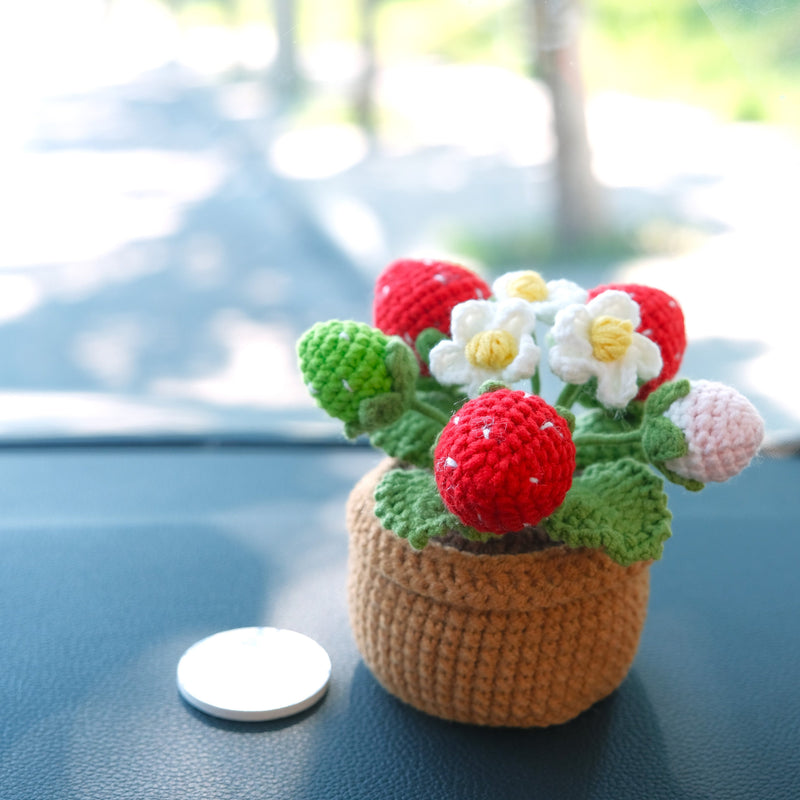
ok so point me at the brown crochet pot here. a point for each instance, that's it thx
(507, 639)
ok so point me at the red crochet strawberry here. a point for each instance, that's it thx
(504, 461)
(662, 322)
(414, 294)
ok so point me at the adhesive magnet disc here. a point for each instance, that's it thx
(254, 674)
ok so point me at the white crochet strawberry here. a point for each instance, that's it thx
(722, 430)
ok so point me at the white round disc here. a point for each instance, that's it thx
(254, 674)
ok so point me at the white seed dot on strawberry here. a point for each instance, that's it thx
(533, 480)
(386, 289)
(450, 462)
(544, 426)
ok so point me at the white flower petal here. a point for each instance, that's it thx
(448, 359)
(469, 318)
(616, 384)
(500, 285)
(571, 368)
(524, 365)
(449, 364)
(515, 316)
(646, 355)
(561, 293)
(614, 303)
(566, 292)
(570, 331)
(572, 355)
(473, 388)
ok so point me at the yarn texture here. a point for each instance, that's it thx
(599, 341)
(504, 461)
(661, 320)
(357, 374)
(499, 558)
(600, 421)
(490, 341)
(617, 506)
(412, 437)
(722, 428)
(408, 504)
(414, 294)
(529, 639)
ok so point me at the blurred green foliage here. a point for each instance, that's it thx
(740, 58)
(501, 250)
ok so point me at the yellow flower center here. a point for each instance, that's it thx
(529, 286)
(491, 349)
(610, 338)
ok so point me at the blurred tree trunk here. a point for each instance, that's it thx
(365, 89)
(287, 75)
(579, 210)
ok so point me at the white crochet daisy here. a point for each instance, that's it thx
(546, 297)
(490, 341)
(599, 340)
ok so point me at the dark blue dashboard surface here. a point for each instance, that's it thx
(114, 560)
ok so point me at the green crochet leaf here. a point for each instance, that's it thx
(408, 503)
(568, 416)
(412, 437)
(375, 413)
(662, 440)
(409, 439)
(445, 398)
(673, 477)
(666, 394)
(617, 506)
(403, 368)
(426, 341)
(605, 428)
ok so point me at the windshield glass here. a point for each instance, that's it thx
(185, 187)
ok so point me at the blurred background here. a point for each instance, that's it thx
(186, 186)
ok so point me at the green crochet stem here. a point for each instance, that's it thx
(569, 394)
(624, 437)
(656, 441)
(536, 382)
(429, 411)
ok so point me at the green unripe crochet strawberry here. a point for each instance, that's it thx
(504, 461)
(357, 374)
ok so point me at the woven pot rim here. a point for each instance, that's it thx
(483, 581)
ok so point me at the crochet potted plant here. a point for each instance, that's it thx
(499, 556)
